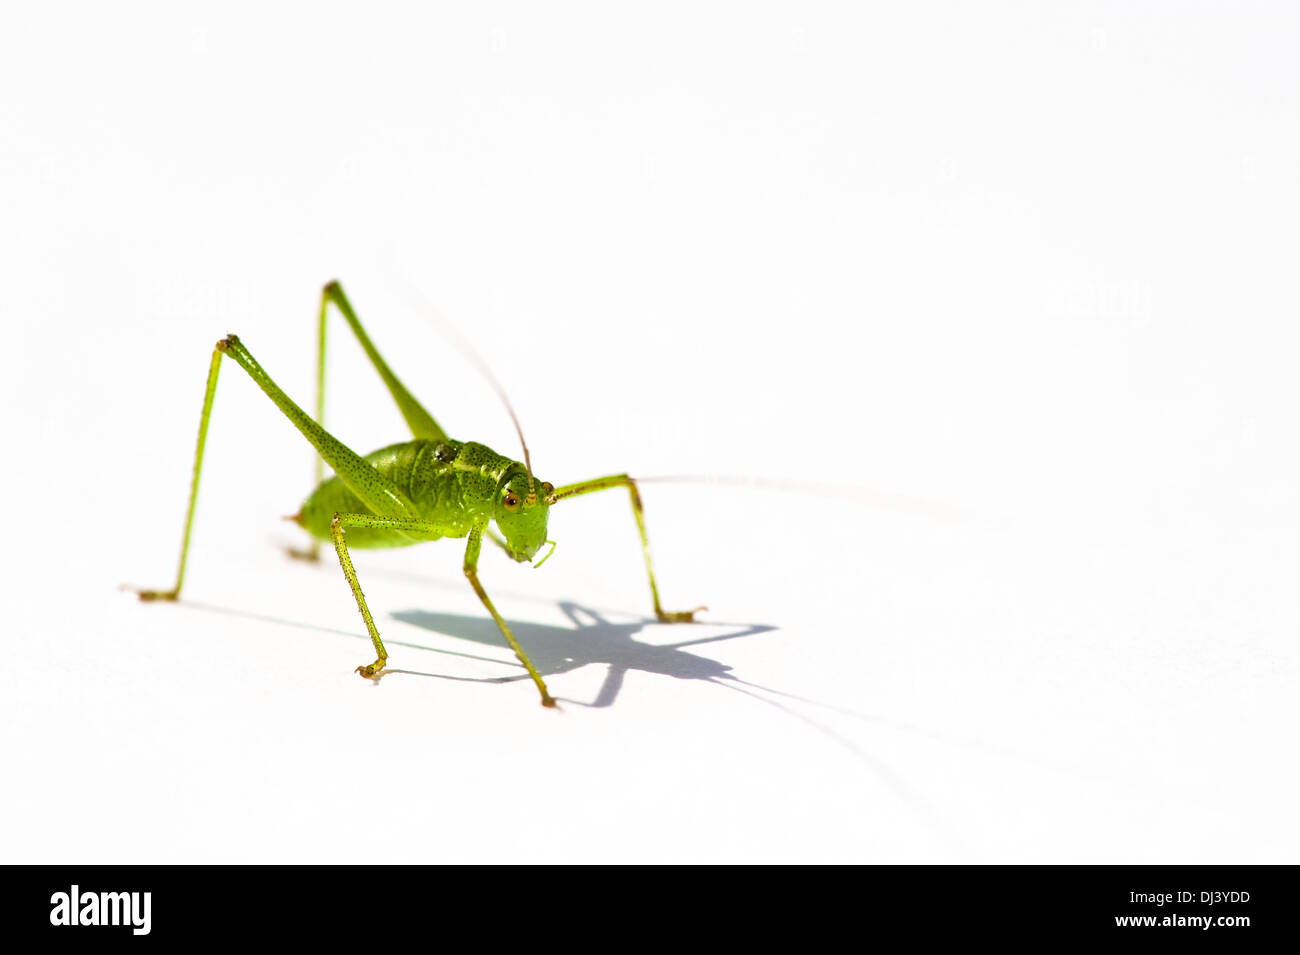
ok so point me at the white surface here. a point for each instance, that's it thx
(1030, 271)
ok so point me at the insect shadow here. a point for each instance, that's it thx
(592, 640)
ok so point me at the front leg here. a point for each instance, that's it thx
(622, 480)
(472, 548)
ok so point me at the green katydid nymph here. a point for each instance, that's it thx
(420, 490)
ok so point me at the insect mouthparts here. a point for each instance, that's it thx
(548, 555)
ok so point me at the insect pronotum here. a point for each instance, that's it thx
(411, 492)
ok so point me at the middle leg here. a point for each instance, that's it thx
(419, 529)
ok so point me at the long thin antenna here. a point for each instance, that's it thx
(416, 301)
(886, 500)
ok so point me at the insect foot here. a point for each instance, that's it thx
(679, 616)
(372, 671)
(147, 595)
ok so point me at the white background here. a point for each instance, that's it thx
(1015, 283)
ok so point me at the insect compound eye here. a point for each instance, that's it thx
(547, 489)
(511, 502)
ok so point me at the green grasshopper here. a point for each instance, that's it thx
(408, 493)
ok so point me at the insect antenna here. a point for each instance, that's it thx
(417, 302)
(882, 499)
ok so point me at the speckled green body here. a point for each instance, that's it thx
(453, 485)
